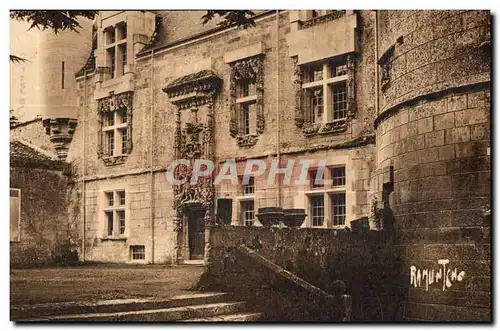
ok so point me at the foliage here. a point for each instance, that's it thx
(13, 119)
(241, 18)
(56, 20)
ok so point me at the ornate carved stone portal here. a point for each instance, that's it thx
(194, 139)
(251, 71)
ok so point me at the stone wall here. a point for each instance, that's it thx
(47, 234)
(433, 130)
(365, 262)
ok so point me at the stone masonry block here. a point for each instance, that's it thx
(435, 138)
(457, 135)
(444, 121)
(470, 116)
(457, 102)
(480, 132)
(425, 125)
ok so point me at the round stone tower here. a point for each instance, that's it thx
(60, 56)
(433, 157)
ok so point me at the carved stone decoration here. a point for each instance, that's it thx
(297, 86)
(193, 140)
(303, 118)
(336, 14)
(193, 90)
(249, 70)
(113, 103)
(61, 132)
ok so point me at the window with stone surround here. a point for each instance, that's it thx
(326, 92)
(246, 91)
(325, 95)
(317, 205)
(246, 200)
(248, 212)
(115, 38)
(137, 252)
(115, 214)
(327, 197)
(15, 215)
(115, 141)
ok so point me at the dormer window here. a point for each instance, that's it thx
(116, 49)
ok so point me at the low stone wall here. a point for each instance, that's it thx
(365, 262)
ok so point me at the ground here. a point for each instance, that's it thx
(99, 282)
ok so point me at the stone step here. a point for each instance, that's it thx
(110, 306)
(241, 317)
(152, 315)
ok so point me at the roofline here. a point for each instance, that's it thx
(147, 52)
(26, 122)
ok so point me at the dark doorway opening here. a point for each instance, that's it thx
(196, 234)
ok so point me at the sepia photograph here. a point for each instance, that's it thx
(253, 165)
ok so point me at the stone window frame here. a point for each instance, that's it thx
(115, 103)
(303, 118)
(141, 252)
(327, 192)
(117, 68)
(248, 70)
(243, 211)
(18, 192)
(115, 209)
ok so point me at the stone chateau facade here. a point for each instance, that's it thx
(397, 104)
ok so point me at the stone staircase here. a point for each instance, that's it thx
(191, 307)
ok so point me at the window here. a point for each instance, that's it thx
(339, 95)
(15, 215)
(122, 28)
(246, 118)
(317, 204)
(138, 252)
(110, 142)
(115, 141)
(246, 86)
(325, 91)
(121, 197)
(116, 50)
(338, 176)
(327, 203)
(121, 221)
(338, 208)
(115, 133)
(114, 213)
(112, 61)
(314, 181)
(247, 208)
(124, 141)
(249, 188)
(109, 218)
(110, 199)
(246, 101)
(316, 103)
(109, 35)
(123, 52)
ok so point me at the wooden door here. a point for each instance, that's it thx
(196, 235)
